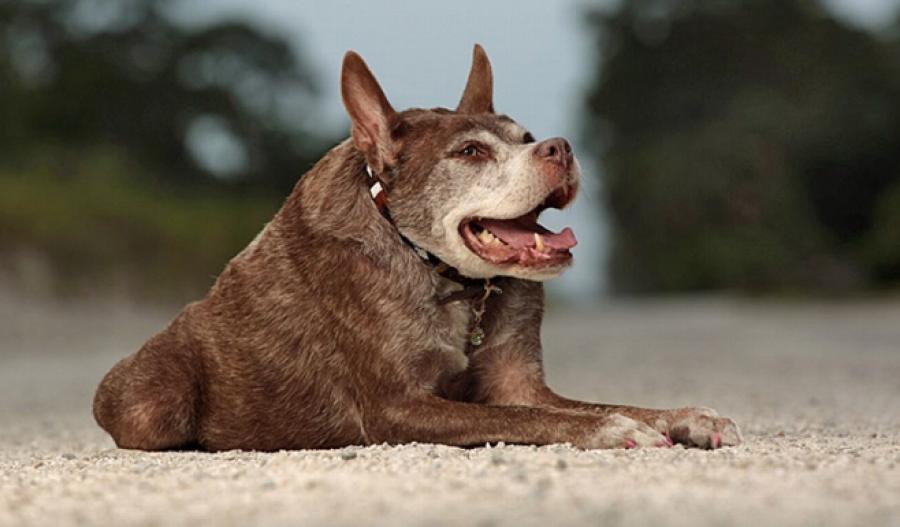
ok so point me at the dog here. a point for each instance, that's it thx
(395, 297)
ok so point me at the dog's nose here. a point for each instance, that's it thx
(556, 150)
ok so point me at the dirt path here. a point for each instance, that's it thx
(816, 388)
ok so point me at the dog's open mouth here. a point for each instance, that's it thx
(522, 241)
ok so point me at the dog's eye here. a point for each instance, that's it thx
(474, 150)
(527, 138)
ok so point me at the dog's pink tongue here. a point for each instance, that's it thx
(519, 233)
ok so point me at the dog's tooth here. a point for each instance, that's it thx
(486, 237)
(538, 242)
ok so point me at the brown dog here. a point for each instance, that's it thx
(395, 297)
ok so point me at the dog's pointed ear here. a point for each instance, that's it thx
(370, 112)
(478, 96)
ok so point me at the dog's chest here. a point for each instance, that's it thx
(445, 339)
(453, 337)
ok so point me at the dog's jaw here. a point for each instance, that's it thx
(455, 252)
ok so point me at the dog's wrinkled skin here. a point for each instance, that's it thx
(327, 331)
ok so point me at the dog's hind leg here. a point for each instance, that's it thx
(149, 401)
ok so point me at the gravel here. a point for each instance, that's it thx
(815, 387)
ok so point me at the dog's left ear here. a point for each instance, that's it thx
(370, 112)
(478, 96)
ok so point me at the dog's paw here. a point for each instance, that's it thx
(702, 428)
(618, 431)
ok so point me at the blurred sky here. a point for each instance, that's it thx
(420, 52)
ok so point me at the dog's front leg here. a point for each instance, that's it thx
(508, 375)
(690, 426)
(515, 376)
(430, 419)
(508, 370)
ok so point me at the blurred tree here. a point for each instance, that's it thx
(749, 144)
(222, 103)
(138, 154)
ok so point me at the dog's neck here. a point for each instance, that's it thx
(474, 290)
(379, 196)
(378, 192)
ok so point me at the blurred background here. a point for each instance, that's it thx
(745, 146)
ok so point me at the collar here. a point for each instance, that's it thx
(475, 290)
(471, 286)
(379, 196)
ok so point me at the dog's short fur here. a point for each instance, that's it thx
(329, 330)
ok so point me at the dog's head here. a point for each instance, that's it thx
(467, 185)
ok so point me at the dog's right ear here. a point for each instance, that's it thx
(478, 97)
(370, 112)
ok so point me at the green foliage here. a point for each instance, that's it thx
(747, 145)
(882, 244)
(148, 85)
(101, 226)
(137, 153)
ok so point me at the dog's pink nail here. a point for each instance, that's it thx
(664, 444)
(716, 440)
(630, 443)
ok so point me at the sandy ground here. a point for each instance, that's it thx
(816, 388)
